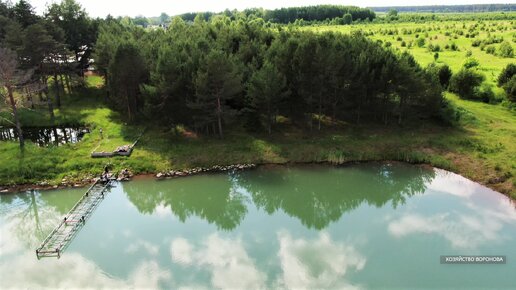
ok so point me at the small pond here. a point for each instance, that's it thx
(363, 226)
(45, 136)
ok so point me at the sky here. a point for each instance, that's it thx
(101, 8)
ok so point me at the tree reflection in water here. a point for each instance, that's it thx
(319, 195)
(316, 195)
(210, 197)
(32, 215)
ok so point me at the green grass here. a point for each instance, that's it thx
(490, 64)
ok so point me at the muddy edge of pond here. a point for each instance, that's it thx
(65, 183)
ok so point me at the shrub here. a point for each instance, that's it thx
(466, 82)
(506, 50)
(485, 94)
(490, 49)
(435, 48)
(420, 42)
(507, 73)
(441, 72)
(470, 63)
(476, 43)
(347, 19)
(510, 89)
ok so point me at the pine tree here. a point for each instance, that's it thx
(127, 72)
(217, 82)
(266, 91)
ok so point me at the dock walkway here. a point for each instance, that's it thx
(62, 235)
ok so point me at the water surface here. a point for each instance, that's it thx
(361, 227)
(45, 136)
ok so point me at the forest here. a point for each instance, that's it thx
(209, 74)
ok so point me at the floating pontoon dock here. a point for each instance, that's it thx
(62, 235)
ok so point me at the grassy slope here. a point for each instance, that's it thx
(483, 148)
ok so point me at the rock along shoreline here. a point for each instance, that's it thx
(127, 176)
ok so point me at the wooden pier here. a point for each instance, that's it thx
(57, 241)
(125, 150)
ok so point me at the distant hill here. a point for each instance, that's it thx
(449, 8)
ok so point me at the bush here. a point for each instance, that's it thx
(507, 73)
(347, 19)
(441, 72)
(490, 49)
(510, 89)
(434, 48)
(470, 63)
(506, 50)
(485, 94)
(420, 42)
(466, 82)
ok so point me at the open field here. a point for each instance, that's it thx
(404, 36)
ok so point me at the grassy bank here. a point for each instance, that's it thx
(481, 148)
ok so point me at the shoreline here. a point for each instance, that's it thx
(171, 174)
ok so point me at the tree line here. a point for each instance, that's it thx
(309, 14)
(211, 74)
(449, 8)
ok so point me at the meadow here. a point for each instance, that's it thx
(454, 41)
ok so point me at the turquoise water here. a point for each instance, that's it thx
(363, 226)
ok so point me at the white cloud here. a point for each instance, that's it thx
(8, 242)
(320, 263)
(150, 248)
(453, 184)
(181, 251)
(148, 275)
(462, 231)
(227, 260)
(163, 211)
(73, 271)
(482, 222)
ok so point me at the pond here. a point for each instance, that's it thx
(359, 226)
(45, 136)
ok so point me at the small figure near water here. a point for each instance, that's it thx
(125, 175)
(106, 175)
